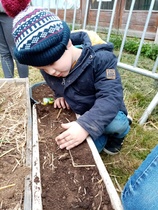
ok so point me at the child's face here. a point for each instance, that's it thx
(61, 67)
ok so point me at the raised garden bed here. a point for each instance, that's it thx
(75, 179)
(15, 145)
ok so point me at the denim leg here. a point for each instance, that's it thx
(141, 190)
(6, 49)
(118, 128)
(100, 142)
(7, 66)
(5, 45)
(23, 70)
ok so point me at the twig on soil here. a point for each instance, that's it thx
(63, 156)
(52, 164)
(6, 152)
(1, 204)
(79, 200)
(44, 162)
(67, 119)
(17, 207)
(75, 180)
(4, 187)
(101, 197)
(15, 165)
(58, 113)
(85, 192)
(3, 84)
(54, 129)
(100, 181)
(45, 157)
(79, 189)
(76, 165)
(44, 116)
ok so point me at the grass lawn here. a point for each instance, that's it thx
(138, 93)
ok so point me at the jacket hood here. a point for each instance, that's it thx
(85, 40)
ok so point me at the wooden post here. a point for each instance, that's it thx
(119, 14)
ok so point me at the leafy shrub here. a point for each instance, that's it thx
(131, 46)
(149, 50)
(116, 40)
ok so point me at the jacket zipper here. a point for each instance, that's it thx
(63, 81)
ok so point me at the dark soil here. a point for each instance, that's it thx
(70, 179)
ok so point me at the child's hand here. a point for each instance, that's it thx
(73, 136)
(61, 103)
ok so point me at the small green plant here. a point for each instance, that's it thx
(116, 40)
(132, 45)
(150, 51)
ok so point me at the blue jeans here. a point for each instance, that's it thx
(6, 49)
(118, 128)
(141, 190)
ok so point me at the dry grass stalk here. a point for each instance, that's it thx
(3, 84)
(118, 185)
(59, 113)
(6, 152)
(4, 187)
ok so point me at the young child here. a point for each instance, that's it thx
(83, 77)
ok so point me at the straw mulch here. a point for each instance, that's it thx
(13, 122)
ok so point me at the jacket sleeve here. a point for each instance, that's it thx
(109, 95)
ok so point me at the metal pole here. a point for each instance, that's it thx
(126, 29)
(144, 32)
(98, 14)
(138, 70)
(86, 12)
(74, 17)
(56, 10)
(155, 65)
(65, 10)
(149, 110)
(111, 21)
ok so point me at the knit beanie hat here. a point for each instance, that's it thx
(40, 36)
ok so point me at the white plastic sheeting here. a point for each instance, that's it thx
(53, 4)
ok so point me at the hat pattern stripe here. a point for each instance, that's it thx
(36, 40)
(31, 11)
(23, 26)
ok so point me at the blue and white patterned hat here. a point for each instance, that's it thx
(40, 37)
